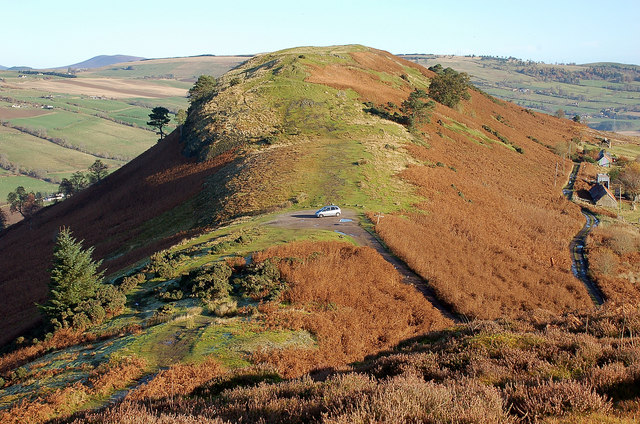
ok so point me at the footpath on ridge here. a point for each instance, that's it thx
(348, 225)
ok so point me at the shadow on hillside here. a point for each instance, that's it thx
(299, 216)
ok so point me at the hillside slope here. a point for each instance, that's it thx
(471, 201)
(482, 222)
(605, 95)
(116, 216)
(220, 293)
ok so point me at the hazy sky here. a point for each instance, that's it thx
(50, 33)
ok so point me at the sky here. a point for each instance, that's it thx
(53, 33)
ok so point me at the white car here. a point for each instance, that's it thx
(328, 211)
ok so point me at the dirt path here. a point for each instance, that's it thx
(348, 224)
(580, 266)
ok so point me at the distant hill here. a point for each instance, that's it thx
(19, 68)
(605, 95)
(180, 68)
(2, 68)
(104, 60)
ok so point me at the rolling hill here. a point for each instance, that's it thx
(240, 305)
(604, 95)
(103, 60)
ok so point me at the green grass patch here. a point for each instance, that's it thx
(8, 183)
(32, 152)
(231, 341)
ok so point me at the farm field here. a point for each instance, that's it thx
(9, 182)
(100, 114)
(25, 149)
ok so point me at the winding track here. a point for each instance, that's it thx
(348, 224)
(580, 265)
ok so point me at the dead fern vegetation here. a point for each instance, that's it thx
(349, 298)
(614, 261)
(579, 368)
(474, 211)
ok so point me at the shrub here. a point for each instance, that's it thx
(417, 108)
(603, 261)
(261, 280)
(620, 240)
(210, 283)
(554, 398)
(449, 87)
(130, 282)
(163, 264)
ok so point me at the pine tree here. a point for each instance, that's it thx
(74, 280)
(158, 118)
(97, 171)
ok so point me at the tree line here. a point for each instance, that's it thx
(27, 203)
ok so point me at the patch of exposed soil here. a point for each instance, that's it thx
(108, 87)
(12, 112)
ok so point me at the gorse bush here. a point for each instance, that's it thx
(261, 280)
(163, 264)
(258, 281)
(210, 282)
(130, 282)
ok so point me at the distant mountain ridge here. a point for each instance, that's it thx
(2, 68)
(104, 60)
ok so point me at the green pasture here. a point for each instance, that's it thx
(8, 183)
(35, 153)
(94, 134)
(171, 103)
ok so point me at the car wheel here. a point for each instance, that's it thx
(320, 216)
(338, 214)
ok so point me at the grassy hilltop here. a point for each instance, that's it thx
(241, 307)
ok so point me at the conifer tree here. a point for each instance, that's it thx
(97, 171)
(74, 280)
(159, 118)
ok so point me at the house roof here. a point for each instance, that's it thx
(604, 154)
(598, 191)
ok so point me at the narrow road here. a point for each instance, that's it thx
(348, 224)
(580, 265)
